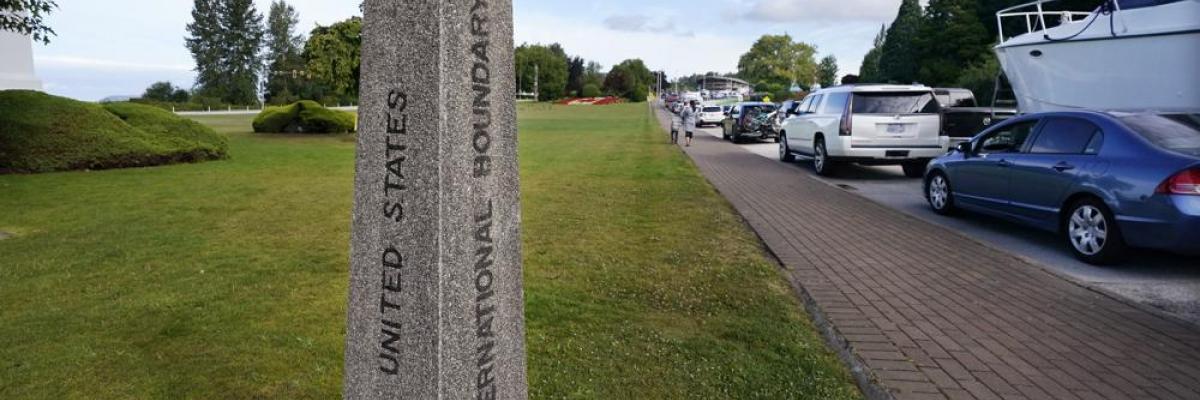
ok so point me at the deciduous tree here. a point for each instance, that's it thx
(333, 57)
(27, 17)
(776, 61)
(544, 65)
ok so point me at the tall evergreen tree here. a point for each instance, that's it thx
(869, 71)
(827, 71)
(243, 39)
(898, 62)
(575, 77)
(283, 57)
(952, 37)
(205, 41)
(225, 40)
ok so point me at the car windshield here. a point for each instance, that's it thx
(712, 109)
(764, 108)
(1178, 132)
(895, 103)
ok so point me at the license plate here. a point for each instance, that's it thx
(895, 128)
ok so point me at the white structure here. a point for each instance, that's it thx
(16, 62)
(1141, 55)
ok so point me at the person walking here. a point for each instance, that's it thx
(688, 118)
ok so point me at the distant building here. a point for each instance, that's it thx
(724, 84)
(16, 65)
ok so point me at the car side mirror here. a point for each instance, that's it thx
(965, 148)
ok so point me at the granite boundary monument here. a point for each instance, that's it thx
(435, 307)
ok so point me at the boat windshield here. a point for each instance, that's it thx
(1179, 132)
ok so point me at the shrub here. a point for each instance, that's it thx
(171, 128)
(303, 117)
(41, 133)
(590, 90)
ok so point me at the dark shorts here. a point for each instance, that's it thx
(688, 134)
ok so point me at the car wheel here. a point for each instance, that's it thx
(915, 169)
(785, 155)
(939, 194)
(1092, 233)
(821, 162)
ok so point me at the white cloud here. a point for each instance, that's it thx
(52, 61)
(642, 23)
(677, 54)
(820, 10)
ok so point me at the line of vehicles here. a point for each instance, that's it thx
(1104, 150)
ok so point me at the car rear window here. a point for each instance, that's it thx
(895, 103)
(712, 109)
(1178, 132)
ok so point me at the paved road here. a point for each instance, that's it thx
(923, 312)
(1166, 282)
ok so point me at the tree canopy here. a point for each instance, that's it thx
(827, 71)
(284, 61)
(775, 62)
(630, 79)
(547, 66)
(225, 39)
(27, 17)
(333, 56)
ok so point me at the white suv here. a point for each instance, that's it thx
(710, 115)
(865, 124)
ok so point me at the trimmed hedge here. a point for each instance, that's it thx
(304, 117)
(42, 133)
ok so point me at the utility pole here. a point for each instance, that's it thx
(536, 95)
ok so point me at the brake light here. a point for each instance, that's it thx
(1186, 182)
(846, 125)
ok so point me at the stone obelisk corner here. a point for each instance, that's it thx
(435, 305)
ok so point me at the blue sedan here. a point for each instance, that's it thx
(1104, 181)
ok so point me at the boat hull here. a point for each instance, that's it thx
(1146, 72)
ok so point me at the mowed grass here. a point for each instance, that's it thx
(228, 279)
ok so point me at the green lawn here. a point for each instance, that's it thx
(228, 279)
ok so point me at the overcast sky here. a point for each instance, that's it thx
(118, 47)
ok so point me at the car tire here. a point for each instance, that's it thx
(785, 155)
(939, 194)
(914, 169)
(724, 133)
(1092, 234)
(822, 165)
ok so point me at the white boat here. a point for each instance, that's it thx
(1125, 55)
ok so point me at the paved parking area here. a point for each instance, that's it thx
(934, 314)
(1165, 282)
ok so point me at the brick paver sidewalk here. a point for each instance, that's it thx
(935, 315)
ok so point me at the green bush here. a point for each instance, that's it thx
(41, 133)
(181, 132)
(590, 90)
(303, 117)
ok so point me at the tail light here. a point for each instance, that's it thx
(1186, 182)
(847, 124)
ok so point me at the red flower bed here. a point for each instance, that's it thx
(589, 101)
